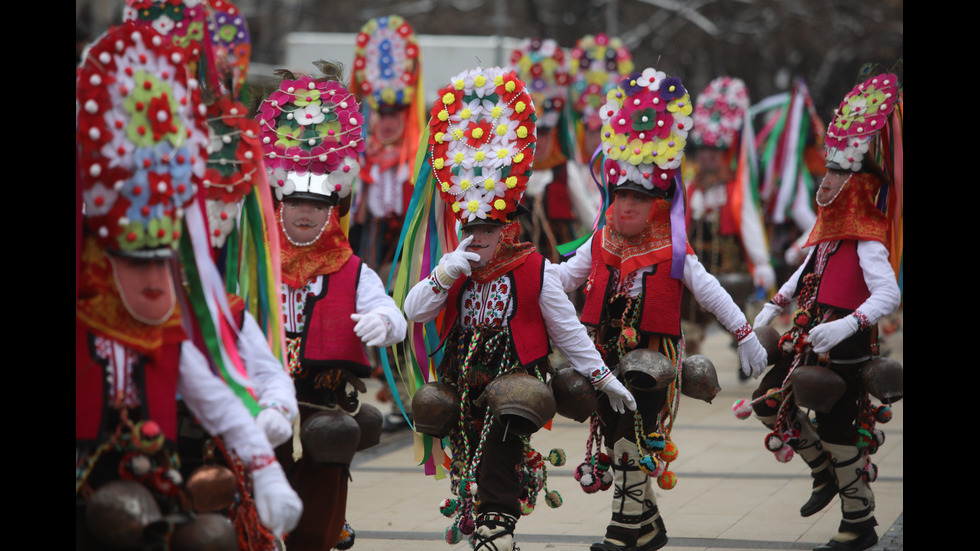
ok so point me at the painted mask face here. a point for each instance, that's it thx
(831, 186)
(146, 286)
(303, 220)
(486, 238)
(631, 210)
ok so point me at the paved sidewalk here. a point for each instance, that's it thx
(731, 495)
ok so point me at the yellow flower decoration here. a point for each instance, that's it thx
(681, 105)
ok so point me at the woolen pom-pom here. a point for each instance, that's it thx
(742, 408)
(654, 442)
(791, 436)
(784, 454)
(648, 464)
(773, 442)
(467, 525)
(553, 499)
(667, 481)
(670, 451)
(870, 472)
(587, 478)
(607, 480)
(557, 457)
(448, 507)
(453, 535)
(883, 414)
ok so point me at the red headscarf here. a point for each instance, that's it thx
(510, 254)
(853, 214)
(323, 257)
(651, 246)
(101, 309)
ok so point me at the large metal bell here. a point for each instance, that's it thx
(330, 437)
(206, 532)
(883, 378)
(646, 371)
(521, 401)
(211, 488)
(117, 513)
(817, 387)
(574, 395)
(435, 407)
(369, 419)
(769, 339)
(699, 378)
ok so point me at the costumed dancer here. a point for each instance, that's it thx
(214, 37)
(141, 151)
(828, 360)
(387, 81)
(725, 223)
(790, 145)
(541, 64)
(500, 303)
(634, 269)
(598, 64)
(333, 303)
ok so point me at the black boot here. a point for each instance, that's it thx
(865, 539)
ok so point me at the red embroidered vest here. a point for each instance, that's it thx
(528, 333)
(660, 309)
(156, 384)
(328, 334)
(842, 283)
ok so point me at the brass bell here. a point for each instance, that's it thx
(330, 437)
(435, 407)
(118, 511)
(211, 488)
(574, 395)
(699, 378)
(369, 420)
(769, 339)
(646, 371)
(817, 387)
(206, 532)
(883, 378)
(521, 402)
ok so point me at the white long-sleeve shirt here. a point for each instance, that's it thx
(371, 299)
(273, 386)
(705, 288)
(427, 298)
(878, 276)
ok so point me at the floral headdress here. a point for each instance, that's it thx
(231, 42)
(597, 66)
(234, 165)
(541, 64)
(141, 139)
(646, 120)
(481, 144)
(719, 113)
(180, 21)
(311, 133)
(862, 115)
(386, 62)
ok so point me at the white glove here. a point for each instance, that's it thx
(765, 317)
(764, 276)
(274, 424)
(278, 505)
(619, 398)
(456, 263)
(371, 328)
(752, 355)
(828, 335)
